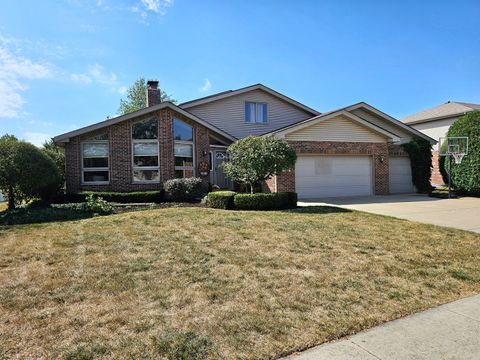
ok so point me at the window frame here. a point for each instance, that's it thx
(132, 147)
(256, 103)
(183, 142)
(83, 168)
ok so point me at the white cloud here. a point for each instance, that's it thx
(144, 7)
(14, 70)
(207, 85)
(96, 73)
(36, 138)
(122, 90)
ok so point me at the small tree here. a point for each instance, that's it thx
(25, 171)
(136, 97)
(254, 159)
(57, 154)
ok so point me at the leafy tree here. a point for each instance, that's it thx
(466, 176)
(25, 171)
(136, 97)
(57, 154)
(254, 159)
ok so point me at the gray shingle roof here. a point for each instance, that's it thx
(450, 108)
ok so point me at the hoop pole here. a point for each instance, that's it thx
(449, 176)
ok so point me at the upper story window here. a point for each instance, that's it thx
(256, 112)
(95, 162)
(145, 159)
(183, 149)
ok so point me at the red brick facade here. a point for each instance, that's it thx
(379, 151)
(436, 178)
(120, 154)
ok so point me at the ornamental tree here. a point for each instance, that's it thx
(25, 171)
(254, 159)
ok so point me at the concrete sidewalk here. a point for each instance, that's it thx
(450, 331)
(462, 213)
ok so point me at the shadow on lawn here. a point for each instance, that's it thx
(318, 210)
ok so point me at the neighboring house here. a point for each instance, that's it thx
(435, 123)
(351, 151)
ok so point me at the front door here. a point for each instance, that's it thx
(219, 156)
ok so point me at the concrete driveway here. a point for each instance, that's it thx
(463, 213)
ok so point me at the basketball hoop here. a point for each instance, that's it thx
(455, 147)
(458, 157)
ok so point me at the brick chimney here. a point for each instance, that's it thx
(153, 93)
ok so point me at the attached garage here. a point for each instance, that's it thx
(323, 176)
(400, 175)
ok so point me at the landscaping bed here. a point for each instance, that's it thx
(220, 285)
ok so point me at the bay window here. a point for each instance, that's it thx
(95, 162)
(183, 149)
(145, 159)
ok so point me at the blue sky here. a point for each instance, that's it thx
(65, 64)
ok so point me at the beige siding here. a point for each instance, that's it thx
(374, 119)
(336, 129)
(435, 129)
(229, 114)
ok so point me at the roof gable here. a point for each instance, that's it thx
(66, 136)
(230, 93)
(449, 109)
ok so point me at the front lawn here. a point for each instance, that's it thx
(220, 284)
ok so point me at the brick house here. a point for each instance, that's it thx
(351, 151)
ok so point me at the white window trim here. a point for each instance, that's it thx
(135, 167)
(256, 122)
(183, 142)
(83, 169)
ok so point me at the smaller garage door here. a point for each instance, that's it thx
(400, 175)
(331, 176)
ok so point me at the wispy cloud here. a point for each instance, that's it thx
(96, 73)
(207, 85)
(36, 138)
(14, 71)
(146, 7)
(122, 90)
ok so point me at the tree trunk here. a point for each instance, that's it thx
(251, 188)
(11, 198)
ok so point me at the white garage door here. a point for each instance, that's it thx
(331, 176)
(400, 180)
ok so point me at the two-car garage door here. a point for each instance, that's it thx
(331, 176)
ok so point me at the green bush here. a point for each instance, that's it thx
(184, 189)
(99, 206)
(261, 201)
(33, 215)
(220, 199)
(154, 196)
(465, 176)
(420, 153)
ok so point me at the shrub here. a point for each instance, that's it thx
(25, 171)
(271, 201)
(465, 176)
(99, 206)
(185, 189)
(220, 199)
(154, 196)
(33, 215)
(420, 153)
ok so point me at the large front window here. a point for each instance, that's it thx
(95, 169)
(183, 149)
(145, 151)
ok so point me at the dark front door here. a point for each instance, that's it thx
(219, 156)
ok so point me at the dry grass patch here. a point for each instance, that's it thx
(201, 283)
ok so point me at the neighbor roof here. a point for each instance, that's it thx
(346, 109)
(66, 137)
(229, 93)
(449, 109)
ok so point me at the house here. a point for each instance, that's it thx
(435, 123)
(355, 150)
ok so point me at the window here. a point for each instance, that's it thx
(145, 151)
(256, 112)
(95, 168)
(183, 149)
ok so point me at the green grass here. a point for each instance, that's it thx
(197, 283)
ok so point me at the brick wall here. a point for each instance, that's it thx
(436, 178)
(379, 151)
(120, 159)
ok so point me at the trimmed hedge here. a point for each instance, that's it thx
(220, 199)
(269, 201)
(183, 189)
(154, 196)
